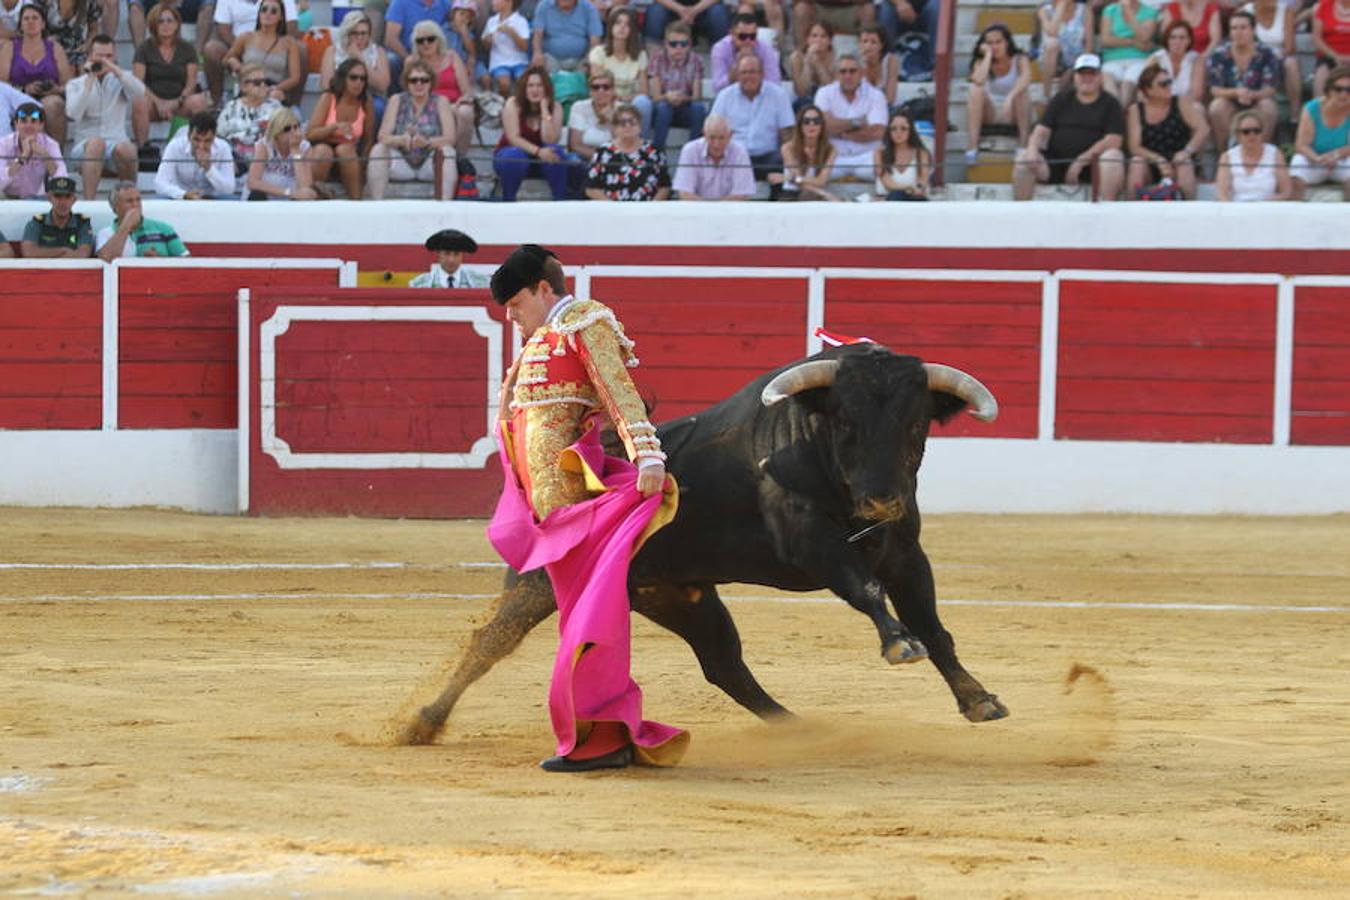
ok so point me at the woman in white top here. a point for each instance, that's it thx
(1275, 29)
(590, 124)
(999, 77)
(1182, 64)
(622, 55)
(902, 163)
(280, 168)
(1253, 170)
(354, 38)
(807, 159)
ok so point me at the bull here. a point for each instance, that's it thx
(804, 479)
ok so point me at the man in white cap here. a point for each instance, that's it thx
(448, 270)
(1082, 127)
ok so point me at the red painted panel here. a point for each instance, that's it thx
(991, 329)
(1166, 362)
(172, 320)
(51, 349)
(1320, 412)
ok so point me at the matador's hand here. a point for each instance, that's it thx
(651, 478)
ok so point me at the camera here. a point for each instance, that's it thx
(96, 66)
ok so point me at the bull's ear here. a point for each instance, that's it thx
(942, 406)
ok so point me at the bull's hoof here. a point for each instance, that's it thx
(988, 709)
(419, 732)
(904, 650)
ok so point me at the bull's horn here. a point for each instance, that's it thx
(801, 377)
(982, 404)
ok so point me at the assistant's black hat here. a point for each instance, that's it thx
(452, 239)
(523, 268)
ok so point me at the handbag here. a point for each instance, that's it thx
(1164, 190)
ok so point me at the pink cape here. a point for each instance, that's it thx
(586, 548)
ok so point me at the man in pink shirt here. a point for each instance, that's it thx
(743, 39)
(714, 167)
(28, 157)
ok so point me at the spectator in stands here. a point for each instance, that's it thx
(1275, 29)
(591, 125)
(506, 36)
(1082, 127)
(622, 55)
(269, 46)
(401, 17)
(9, 19)
(198, 12)
(10, 100)
(196, 164)
(760, 114)
(629, 168)
(880, 69)
(59, 233)
(342, 128)
(916, 21)
(1322, 143)
(1241, 74)
(453, 81)
(531, 136)
(417, 137)
(710, 18)
(855, 119)
(1164, 132)
(675, 79)
(812, 67)
(807, 158)
(1180, 62)
(72, 25)
(244, 118)
(131, 234)
(448, 270)
(37, 65)
(1065, 31)
(1253, 169)
(564, 33)
(1000, 75)
(844, 16)
(281, 169)
(98, 104)
(1331, 40)
(1202, 15)
(355, 39)
(463, 37)
(903, 164)
(167, 66)
(715, 166)
(28, 157)
(743, 41)
(1126, 36)
(234, 19)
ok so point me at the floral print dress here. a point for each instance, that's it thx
(628, 176)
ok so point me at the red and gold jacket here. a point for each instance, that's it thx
(574, 367)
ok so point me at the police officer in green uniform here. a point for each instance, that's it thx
(60, 233)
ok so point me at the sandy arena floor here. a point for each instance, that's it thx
(197, 731)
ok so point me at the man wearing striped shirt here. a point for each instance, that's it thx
(131, 234)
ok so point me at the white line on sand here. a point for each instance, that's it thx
(1030, 604)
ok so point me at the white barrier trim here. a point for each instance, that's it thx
(1047, 395)
(1320, 281)
(245, 369)
(280, 322)
(112, 350)
(229, 262)
(606, 271)
(815, 311)
(1284, 363)
(1168, 277)
(935, 274)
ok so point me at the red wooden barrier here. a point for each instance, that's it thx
(1321, 388)
(991, 329)
(178, 341)
(51, 348)
(1146, 361)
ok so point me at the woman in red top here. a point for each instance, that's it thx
(1331, 39)
(531, 134)
(452, 78)
(1201, 15)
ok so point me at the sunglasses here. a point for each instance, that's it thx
(287, 129)
(744, 36)
(271, 9)
(426, 39)
(813, 120)
(1340, 88)
(419, 79)
(356, 78)
(361, 32)
(254, 81)
(677, 43)
(30, 116)
(1256, 130)
(602, 86)
(1163, 82)
(625, 121)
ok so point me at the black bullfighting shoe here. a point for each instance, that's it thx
(618, 759)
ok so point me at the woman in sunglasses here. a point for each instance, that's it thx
(807, 158)
(243, 119)
(590, 125)
(417, 137)
(903, 164)
(453, 81)
(38, 66)
(341, 128)
(167, 65)
(1253, 170)
(268, 45)
(280, 169)
(629, 168)
(1323, 138)
(354, 41)
(1164, 132)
